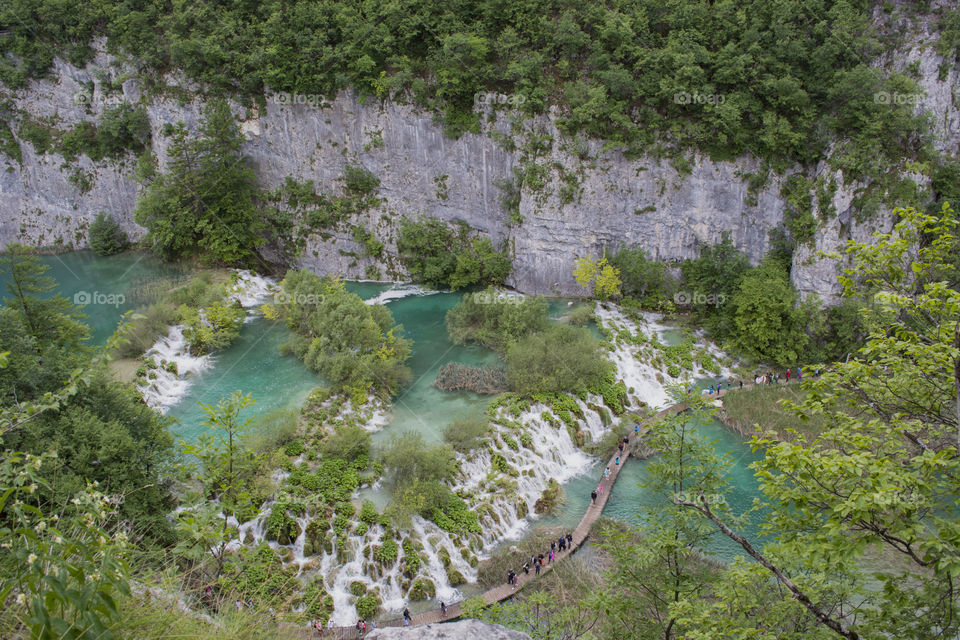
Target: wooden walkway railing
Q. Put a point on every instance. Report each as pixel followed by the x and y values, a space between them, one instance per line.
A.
pixel 580 534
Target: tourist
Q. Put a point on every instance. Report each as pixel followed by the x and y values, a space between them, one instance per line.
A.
pixel 593 497
pixel 551 556
pixel 636 428
pixel 799 374
pixel 526 568
pixel 600 488
pixel 741 384
pixel 319 627
pixel 620 447
pixel 359 629
pixel 618 461
pixel 443 607
pixel 788 375
pixel 406 617
pixel 510 575
pixel 553 545
pixel 562 543
pixel 536 568
pixel 570 540
pixel 239 605
pixel 606 472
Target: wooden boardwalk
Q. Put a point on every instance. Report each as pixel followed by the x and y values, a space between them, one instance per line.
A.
pixel 504 591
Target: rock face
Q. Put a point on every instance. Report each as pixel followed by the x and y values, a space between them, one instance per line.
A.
pixel 670 213
pixel 462 630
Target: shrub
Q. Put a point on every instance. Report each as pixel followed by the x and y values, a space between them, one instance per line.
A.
pixel 466 434
pixel 294 448
pixel 367 606
pixel 212 328
pixel 386 553
pixel 495 321
pixel 563 358
pixel 441 257
pixel 359 180
pixel 358 588
pixel 353 345
pixel 105 236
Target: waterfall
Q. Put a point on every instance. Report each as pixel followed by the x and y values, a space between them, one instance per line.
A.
pixel 399 291
pixel 168 386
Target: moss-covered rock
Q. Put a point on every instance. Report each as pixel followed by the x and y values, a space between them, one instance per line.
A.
pixel 455 578
pixel 368 605
pixel 550 498
pixel 358 588
pixel 422 589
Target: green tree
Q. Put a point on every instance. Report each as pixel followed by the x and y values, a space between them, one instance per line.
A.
pixel 50 320
pixel 105 235
pixel 205 203
pixel 495 320
pixel 715 274
pixel 660 562
pixel 768 325
pixel 355 346
pixel 643 279
pixel 882 475
pixel 599 275
pixel 562 358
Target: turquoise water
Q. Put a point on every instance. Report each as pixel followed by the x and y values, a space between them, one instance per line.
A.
pixel 627 499
pixel 253 364
pixel 110 283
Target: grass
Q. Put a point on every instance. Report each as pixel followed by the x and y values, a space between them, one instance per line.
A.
pixel 760 409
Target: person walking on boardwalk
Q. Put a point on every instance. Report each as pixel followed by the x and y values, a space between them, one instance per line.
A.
pixel 606 472
pixel 526 568
pixel 319 627
pixel 570 540
pixel 406 617
pixel 788 375
pixel 618 461
pixel 443 608
pixel 553 545
pixel 636 428
pixel 593 497
pixel 536 567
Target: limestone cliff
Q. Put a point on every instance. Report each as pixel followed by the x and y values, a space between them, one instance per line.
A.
pixel 609 200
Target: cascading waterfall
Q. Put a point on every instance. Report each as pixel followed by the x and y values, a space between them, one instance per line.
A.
pixel 169 384
pixel 400 291
pixel 505 503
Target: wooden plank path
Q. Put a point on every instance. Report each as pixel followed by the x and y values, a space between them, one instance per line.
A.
pixel 580 534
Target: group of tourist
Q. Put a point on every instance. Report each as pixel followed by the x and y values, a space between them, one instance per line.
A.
pixel 537 562
pixel 769 377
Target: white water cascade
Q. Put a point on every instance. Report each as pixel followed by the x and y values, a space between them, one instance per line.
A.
pixel 168 383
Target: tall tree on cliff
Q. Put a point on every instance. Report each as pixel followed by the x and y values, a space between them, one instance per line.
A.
pixel 205 203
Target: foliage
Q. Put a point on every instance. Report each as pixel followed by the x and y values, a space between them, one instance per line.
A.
pixel 408 458
pixel 602 277
pixel 359 180
pixel 767 324
pixel 121 129
pixel 105 235
pixel 715 275
pixel 204 205
pixel 562 358
pixel 62 573
pixel 642 279
pixel 441 257
pixel 367 606
pixel 351 344
pixel 466 434
pixel 494 320
pixel 212 328
pixel 880 476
